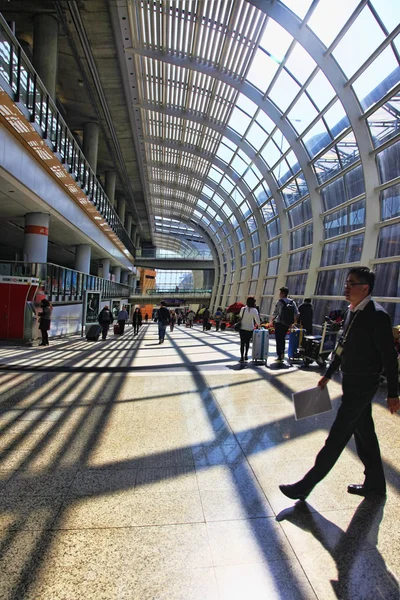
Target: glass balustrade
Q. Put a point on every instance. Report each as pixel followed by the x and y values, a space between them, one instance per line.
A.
pixel 60 284
pixel 19 79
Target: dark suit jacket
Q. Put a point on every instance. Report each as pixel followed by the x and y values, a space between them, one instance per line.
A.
pixel 369 348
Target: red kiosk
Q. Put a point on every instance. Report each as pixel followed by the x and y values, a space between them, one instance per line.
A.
pixel 17 312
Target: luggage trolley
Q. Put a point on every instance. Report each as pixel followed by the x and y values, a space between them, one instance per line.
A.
pixel 319 347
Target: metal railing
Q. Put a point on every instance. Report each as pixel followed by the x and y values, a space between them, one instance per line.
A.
pixel 170 255
pixel 61 284
pixel 171 292
pixel 24 86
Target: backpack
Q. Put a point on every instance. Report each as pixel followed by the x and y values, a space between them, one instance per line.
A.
pixel 287 313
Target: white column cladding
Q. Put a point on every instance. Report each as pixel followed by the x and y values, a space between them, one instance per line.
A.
pixel 117 274
pixel 45 50
pixel 124 277
pixel 91 143
pixel 83 254
pixel 36 237
pixel 104 268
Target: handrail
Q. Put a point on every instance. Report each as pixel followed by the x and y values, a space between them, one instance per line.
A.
pixel 27 89
pixel 61 284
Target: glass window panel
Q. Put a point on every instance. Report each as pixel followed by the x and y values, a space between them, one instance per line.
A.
pixel 250 179
pixel 242 247
pixel 276 40
pixel 348 150
pixel 389 241
pixel 273 267
pixel 239 121
pixel 317 138
pixel 354 181
pixel 251 224
pixel 227 184
pixel 252 287
pixel 267 212
pixel 255 240
pixel 239 234
pixel 284 90
pixel 273 228
pixel 354 247
pixel 215 174
pixel 207 191
pixel 388 11
pixel 282 172
pixel 345 220
pixel 333 194
pixel 321 90
pixel 335 13
pixel 384 123
pixel 270 153
pixel 331 282
pixel 281 141
pixel 387 281
pixel 302 113
pixel 390 203
pixel 334 253
pixel 239 165
pixel 300 213
pixel 246 105
pixel 300 63
pixel 326 166
pixel 245 209
pixel 225 153
pixel 274 248
pixel 389 162
pixel 336 119
pixel 256 255
pixel 299 7
pixel 256 136
pixel 290 194
pixel 322 308
pixel 269 286
pixel 260 195
pixel 255 271
pixel 265 122
pixel 262 70
pixel 368 34
pixel 377 79
pixel 301 237
pixel 300 260
pixel 296 284
pixel 243 260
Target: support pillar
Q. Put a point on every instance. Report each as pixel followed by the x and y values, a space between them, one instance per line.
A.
pixel 129 220
pixel 36 237
pixel 131 280
pixel 124 277
pixel 133 233
pixel 117 274
pixel 45 50
pixel 111 180
pixel 83 254
pixel 121 210
pixel 137 244
pixel 91 143
pixel 104 268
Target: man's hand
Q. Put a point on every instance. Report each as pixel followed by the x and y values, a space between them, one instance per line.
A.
pixel 393 405
pixel 322 382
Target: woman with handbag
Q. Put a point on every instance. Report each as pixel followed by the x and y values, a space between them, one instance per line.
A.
pixel 248 317
pixel 45 321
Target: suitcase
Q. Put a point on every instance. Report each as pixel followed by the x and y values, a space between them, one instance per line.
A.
pixel 93 333
pixel 116 328
pixel 208 326
pixel 223 326
pixel 295 339
pixel 260 345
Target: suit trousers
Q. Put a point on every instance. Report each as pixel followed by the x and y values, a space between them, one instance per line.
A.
pixel 354 417
pixel 280 337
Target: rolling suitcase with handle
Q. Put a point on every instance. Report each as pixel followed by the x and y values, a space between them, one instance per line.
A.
pixel 295 339
pixel 260 345
pixel 93 333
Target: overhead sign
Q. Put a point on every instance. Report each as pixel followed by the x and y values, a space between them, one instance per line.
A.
pixel 19 280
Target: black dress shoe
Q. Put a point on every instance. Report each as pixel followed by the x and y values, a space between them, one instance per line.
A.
pixel 294 492
pixel 360 490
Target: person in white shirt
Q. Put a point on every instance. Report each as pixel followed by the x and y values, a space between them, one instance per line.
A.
pixel 249 317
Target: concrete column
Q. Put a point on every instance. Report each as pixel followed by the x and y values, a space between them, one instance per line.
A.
pixel 104 268
pixel 111 179
pixel 83 254
pixel 133 233
pixel 117 274
pixel 131 280
pixel 91 143
pixel 36 237
pixel 45 50
pixel 129 220
pixel 124 277
pixel 137 243
pixel 121 209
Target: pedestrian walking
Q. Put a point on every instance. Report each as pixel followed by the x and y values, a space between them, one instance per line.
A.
pixel 136 320
pixel 365 348
pixel 283 317
pixel 249 317
pixel 122 318
pixel 172 320
pixel 163 320
pixel 305 317
pixel 217 318
pixel 45 321
pixel 105 319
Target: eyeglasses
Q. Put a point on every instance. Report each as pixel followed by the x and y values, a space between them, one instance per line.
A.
pixel 352 284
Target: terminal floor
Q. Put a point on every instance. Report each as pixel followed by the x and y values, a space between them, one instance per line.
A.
pixel 136 471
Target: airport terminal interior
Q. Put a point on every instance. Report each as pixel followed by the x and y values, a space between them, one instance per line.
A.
pixel 192 152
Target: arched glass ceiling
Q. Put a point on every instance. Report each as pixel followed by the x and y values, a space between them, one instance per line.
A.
pixel 274 125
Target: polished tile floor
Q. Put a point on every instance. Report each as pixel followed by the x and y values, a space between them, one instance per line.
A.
pixel 136 471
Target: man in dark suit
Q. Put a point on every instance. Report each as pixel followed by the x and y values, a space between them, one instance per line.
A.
pixel 366 347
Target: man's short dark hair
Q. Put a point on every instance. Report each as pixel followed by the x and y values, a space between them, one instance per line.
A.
pixel 308 300
pixel 162 303
pixel 364 275
pixel 284 289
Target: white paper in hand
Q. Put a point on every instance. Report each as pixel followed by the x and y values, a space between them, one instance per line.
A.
pixel 311 402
